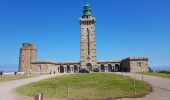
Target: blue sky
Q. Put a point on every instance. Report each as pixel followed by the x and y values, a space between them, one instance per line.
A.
pixel 124 28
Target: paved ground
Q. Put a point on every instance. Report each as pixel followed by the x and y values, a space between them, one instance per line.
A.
pixel 7 88
pixel 161 87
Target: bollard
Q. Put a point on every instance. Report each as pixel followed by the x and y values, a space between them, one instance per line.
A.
pixel 142 78
pixel 134 84
pixel 39 96
pixel 67 91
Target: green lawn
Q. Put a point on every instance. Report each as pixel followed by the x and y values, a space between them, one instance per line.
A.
pixel 86 87
pixel 156 74
pixel 14 77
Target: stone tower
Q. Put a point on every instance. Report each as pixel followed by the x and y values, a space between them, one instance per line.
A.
pixel 88 40
pixel 28 54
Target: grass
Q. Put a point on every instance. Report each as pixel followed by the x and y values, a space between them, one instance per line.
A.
pixel 94 86
pixel 14 77
pixel 156 74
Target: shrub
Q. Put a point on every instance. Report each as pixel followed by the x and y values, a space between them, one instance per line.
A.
pixel 165 71
pixel 150 69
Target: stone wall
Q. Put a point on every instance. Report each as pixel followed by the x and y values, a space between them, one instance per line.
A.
pixel 135 64
pixel 88 42
pixel 52 67
pixel 44 68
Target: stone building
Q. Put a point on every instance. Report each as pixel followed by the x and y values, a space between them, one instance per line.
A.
pixel 88 59
pixel 135 64
pixel 28 54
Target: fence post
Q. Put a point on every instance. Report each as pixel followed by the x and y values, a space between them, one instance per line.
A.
pixel 67 91
pixel 134 84
pixel 142 77
pixel 39 96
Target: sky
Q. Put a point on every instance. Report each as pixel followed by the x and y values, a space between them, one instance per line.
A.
pixel 124 28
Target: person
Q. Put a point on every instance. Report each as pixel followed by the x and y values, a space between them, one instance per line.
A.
pixel 26 74
pixel 15 73
pixel 50 72
pixel 1 73
pixel 30 71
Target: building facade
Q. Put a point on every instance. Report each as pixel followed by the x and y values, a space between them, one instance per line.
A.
pixel 88 59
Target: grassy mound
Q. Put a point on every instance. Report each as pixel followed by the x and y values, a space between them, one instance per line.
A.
pixel 85 86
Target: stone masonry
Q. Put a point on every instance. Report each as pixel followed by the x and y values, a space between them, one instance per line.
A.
pixel 28 54
pixel 88 40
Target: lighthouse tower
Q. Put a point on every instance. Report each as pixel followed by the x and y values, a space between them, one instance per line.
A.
pixel 88 40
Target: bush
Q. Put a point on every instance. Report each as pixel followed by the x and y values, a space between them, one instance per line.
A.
pixel 168 72
pixel 150 69
pixel 164 71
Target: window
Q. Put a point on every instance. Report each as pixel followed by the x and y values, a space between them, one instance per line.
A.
pixel 88 40
pixel 39 67
pixel 139 64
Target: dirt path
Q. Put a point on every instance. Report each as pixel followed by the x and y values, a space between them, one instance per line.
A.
pixel 7 88
pixel 161 87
